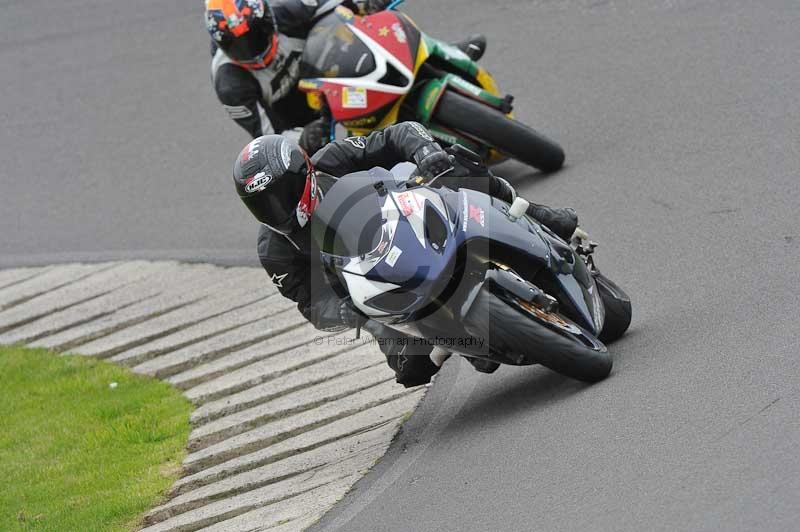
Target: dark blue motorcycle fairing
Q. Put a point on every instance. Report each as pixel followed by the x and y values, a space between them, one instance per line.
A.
pixel 576 282
pixel 477 231
pixel 536 243
pixel 478 216
pixel 418 267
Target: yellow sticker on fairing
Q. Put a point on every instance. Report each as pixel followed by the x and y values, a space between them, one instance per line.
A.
pixel 354 98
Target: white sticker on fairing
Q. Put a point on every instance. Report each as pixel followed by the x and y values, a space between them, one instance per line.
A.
pixel 394 254
pixel 354 98
pixel 399 33
pixel 409 203
pixel 465 213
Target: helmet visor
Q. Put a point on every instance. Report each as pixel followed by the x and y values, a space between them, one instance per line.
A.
pixel 276 205
pixel 252 45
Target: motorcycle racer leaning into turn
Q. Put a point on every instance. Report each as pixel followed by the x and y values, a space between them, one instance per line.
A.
pixel 281 185
pixel 257 46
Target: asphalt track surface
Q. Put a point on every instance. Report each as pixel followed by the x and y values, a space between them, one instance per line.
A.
pixel 681 123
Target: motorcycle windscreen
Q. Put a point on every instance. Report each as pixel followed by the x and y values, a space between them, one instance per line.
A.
pixel 333 51
pixel 348 222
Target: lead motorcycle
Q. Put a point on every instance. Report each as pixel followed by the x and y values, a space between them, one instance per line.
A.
pixel 470 273
pixel 370 72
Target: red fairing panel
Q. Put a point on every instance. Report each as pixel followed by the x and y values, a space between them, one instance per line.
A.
pixel 387 30
pixel 348 102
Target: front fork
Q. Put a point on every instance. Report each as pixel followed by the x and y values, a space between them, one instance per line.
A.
pixel 504 279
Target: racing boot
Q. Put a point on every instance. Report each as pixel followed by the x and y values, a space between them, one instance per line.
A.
pixel 482 365
pixel 474 46
pixel 562 222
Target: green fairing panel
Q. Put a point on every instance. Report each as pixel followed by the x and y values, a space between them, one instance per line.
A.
pixel 429 97
pixel 451 54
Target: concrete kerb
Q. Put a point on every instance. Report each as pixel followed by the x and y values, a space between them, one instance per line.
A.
pixel 288 418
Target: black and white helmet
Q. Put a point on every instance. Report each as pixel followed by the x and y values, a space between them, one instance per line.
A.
pixel 276 181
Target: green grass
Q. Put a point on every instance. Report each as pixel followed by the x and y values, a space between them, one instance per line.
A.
pixel 76 454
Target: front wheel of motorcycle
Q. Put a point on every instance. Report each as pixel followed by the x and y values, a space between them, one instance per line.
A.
pixel 518 330
pixel 487 124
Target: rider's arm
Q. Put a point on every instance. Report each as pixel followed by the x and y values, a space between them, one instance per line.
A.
pixel 296 17
pixel 395 144
pixel 366 7
pixel 240 94
pixel 291 273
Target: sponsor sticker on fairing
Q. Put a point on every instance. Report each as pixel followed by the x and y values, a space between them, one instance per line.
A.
pixel 394 254
pixel 399 33
pixel 409 203
pixel 354 98
pixel 344 13
pixel 361 122
pixel 476 214
pixel 465 213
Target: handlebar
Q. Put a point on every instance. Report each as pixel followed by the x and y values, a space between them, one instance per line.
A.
pixel 460 151
pixel 456 152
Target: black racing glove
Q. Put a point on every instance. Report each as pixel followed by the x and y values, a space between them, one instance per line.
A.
pixel 349 316
pixel 367 7
pixel 467 163
pixel 315 135
pixel 432 160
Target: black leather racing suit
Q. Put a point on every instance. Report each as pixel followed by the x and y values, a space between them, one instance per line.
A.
pixel 267 101
pixel 297 272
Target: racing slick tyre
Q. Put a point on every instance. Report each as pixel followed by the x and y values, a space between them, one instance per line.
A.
pixel 515 139
pixel 561 345
pixel 618 308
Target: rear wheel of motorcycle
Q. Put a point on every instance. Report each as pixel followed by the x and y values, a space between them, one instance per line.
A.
pixel 513 332
pixel 618 308
pixel 515 139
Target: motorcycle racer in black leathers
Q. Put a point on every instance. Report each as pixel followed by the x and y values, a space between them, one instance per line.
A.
pixel 257 46
pixel 280 185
